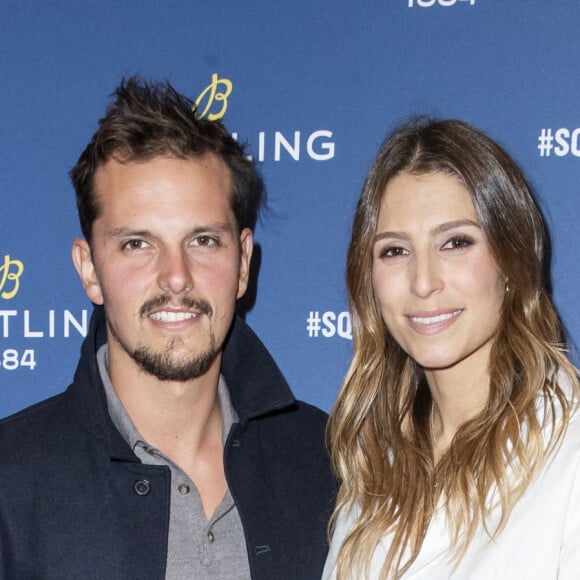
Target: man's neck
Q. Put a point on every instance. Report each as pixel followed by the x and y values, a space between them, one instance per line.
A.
pixel 183 420
pixel 174 416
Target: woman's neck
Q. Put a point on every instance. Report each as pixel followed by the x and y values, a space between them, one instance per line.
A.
pixel 459 393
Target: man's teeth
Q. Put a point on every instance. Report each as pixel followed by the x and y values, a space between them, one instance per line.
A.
pixel 435 319
pixel 165 316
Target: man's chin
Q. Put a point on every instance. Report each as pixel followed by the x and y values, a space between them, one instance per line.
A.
pixel 166 368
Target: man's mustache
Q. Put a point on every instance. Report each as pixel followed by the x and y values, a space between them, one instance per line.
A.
pixel 186 302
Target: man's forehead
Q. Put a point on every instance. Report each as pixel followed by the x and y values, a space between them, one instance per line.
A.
pixel 119 161
pixel 207 174
pixel 165 190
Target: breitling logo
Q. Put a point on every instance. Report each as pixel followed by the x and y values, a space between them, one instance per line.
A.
pixel 10 272
pixel 213 96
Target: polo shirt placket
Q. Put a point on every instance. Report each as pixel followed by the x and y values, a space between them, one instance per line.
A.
pixel 197 547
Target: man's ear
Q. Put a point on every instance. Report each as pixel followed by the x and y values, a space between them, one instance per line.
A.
pixel 246 247
pixel 83 261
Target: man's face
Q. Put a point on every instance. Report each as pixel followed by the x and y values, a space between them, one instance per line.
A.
pixel 167 262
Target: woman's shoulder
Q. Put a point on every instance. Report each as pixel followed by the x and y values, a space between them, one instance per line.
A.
pixel 345 520
pixel 553 404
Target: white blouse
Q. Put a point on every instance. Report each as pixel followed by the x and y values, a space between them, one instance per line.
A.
pixel 541 540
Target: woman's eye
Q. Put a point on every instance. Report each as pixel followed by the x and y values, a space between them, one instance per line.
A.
pixel 393 252
pixel 457 242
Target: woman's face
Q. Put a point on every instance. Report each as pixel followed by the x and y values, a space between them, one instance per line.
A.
pixel 436 282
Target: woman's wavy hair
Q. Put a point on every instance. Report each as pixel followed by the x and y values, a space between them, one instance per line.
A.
pixel 379 427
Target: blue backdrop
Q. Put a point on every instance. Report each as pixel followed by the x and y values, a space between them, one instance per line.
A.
pixel 312 87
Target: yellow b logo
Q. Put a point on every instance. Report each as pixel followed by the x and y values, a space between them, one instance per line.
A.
pixel 211 94
pixel 7 275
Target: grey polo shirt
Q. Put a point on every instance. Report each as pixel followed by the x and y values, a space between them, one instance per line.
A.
pixel 197 547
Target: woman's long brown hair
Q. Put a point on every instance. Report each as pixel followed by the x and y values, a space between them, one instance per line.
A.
pixel 378 430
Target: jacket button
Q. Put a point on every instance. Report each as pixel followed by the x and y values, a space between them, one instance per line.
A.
pixel 142 487
pixel 183 488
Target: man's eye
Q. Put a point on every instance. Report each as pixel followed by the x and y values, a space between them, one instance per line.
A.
pixel 205 241
pixel 134 245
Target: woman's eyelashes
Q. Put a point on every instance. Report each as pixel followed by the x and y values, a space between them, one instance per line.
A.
pixel 458 242
pixel 394 250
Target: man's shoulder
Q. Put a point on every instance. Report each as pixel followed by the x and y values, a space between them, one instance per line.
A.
pixel 37 412
pixel 297 430
pixel 300 414
pixel 40 426
pixel 309 414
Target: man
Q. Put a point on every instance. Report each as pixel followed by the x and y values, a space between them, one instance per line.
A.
pixel 178 451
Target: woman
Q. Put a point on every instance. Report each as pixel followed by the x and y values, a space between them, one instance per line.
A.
pixel 455 433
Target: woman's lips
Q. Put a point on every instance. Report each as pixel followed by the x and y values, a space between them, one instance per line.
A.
pixel 434 321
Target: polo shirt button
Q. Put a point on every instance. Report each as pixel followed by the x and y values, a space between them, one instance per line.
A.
pixel 142 487
pixel 183 488
pixel 210 537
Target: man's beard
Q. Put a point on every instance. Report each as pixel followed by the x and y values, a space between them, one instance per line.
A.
pixel 162 365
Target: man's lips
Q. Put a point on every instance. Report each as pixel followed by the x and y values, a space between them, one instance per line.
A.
pixel 162 309
pixel 172 316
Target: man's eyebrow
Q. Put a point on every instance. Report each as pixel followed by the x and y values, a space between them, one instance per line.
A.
pixel 216 228
pixel 125 232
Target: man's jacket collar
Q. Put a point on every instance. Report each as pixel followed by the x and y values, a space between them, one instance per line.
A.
pixel 256 384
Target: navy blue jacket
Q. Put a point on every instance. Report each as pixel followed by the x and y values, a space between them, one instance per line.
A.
pixel 77 504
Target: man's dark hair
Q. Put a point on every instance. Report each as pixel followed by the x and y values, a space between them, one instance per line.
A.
pixel 148 120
